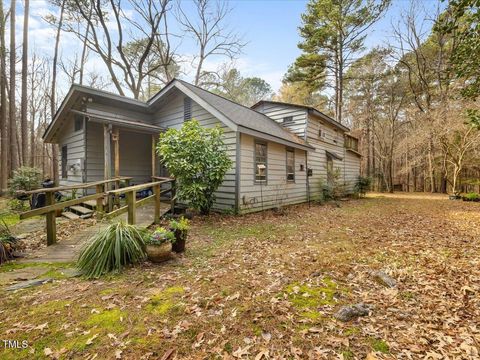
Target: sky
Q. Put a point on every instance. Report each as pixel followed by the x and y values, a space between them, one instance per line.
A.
pixel 269 27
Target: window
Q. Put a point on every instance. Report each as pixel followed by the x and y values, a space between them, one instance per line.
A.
pixel 322 134
pixel 290 165
pixel 64 162
pixel 351 143
pixel 287 119
pixel 187 109
pixel 260 162
pixel 78 123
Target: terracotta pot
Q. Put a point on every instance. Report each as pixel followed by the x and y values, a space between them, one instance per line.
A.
pixel 158 253
pixel 180 238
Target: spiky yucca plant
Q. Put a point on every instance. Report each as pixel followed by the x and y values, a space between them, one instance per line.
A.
pixel 111 249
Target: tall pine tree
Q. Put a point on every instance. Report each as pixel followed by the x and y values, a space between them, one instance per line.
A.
pixel 333 32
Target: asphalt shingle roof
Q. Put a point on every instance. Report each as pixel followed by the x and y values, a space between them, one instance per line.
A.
pixel 244 116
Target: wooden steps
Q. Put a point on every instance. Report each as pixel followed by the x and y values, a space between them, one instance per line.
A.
pixel 92 204
pixel 81 210
pixel 70 215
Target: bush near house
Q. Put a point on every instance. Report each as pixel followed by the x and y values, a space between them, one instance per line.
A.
pixel 197 157
pixel 362 185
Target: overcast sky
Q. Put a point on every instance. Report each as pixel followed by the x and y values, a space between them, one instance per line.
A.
pixel 270 28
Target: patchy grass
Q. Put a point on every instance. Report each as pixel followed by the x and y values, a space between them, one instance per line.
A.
pixel 271 283
pixel 13 265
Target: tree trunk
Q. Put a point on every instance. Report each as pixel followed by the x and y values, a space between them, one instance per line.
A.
pixel 52 96
pixel 14 160
pixel 3 106
pixel 24 101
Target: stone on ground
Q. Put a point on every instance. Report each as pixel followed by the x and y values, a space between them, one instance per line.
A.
pixel 384 279
pixel 351 312
pixel 28 283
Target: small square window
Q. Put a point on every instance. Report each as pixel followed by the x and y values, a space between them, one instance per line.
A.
pixel 287 119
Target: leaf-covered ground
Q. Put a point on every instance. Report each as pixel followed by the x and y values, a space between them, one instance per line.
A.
pixel 266 286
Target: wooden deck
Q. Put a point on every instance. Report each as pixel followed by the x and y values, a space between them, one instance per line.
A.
pixel 68 250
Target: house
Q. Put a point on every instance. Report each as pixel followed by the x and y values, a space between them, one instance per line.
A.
pixel 272 145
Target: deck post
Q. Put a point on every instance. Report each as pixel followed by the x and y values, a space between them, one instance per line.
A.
pixel 156 191
pixel 107 149
pixel 51 222
pixel 99 189
pixel 131 218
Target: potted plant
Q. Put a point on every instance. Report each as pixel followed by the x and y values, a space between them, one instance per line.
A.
pixel 158 245
pixel 180 229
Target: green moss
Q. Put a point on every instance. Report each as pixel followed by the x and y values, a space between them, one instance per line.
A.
pixel 348 354
pixel 257 330
pixel 407 295
pixel 166 301
pixel 49 308
pixel 380 346
pixel 11 266
pixel 9 218
pixel 352 331
pixel 108 320
pixel 228 347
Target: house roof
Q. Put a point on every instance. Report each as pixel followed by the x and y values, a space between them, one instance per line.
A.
pixel 238 117
pixel 310 109
pixel 245 117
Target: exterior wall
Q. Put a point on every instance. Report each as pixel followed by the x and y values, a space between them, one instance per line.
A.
pixel 277 191
pixel 317 160
pixel 278 111
pixel 94 163
pixel 75 142
pixel 171 116
pixel 352 169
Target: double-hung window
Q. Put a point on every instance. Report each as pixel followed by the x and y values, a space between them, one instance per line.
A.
pixel 260 162
pixel 290 165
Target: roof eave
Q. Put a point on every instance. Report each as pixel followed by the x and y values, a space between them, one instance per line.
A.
pixel 276 139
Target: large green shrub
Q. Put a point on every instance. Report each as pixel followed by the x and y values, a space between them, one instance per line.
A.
pixel 197 157
pixel 25 178
pixel 112 249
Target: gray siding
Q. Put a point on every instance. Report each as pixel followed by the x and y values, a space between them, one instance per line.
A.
pixel 75 142
pixel 171 116
pixel 277 191
pixel 332 141
pixel 278 111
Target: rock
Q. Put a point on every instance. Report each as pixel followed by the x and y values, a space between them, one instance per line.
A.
pixel 384 279
pixel 28 283
pixel 348 313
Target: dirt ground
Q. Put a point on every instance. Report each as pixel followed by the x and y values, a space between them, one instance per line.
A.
pixel 267 286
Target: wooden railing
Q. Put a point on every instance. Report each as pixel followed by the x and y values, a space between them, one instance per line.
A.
pixel 51 207
pixel 132 203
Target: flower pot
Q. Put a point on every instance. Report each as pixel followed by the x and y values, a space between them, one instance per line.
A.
pixel 158 253
pixel 180 238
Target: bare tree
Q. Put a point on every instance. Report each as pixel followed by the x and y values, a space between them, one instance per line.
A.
pixel 211 33
pixel 24 100
pixel 14 158
pixel 3 105
pixel 124 67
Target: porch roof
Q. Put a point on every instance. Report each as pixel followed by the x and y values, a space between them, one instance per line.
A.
pixel 123 122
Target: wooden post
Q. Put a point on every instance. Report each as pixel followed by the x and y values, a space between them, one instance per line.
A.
pixel 174 194
pixel 156 191
pixel 51 224
pixel 154 157
pixel 131 218
pixel 116 143
pixel 99 190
